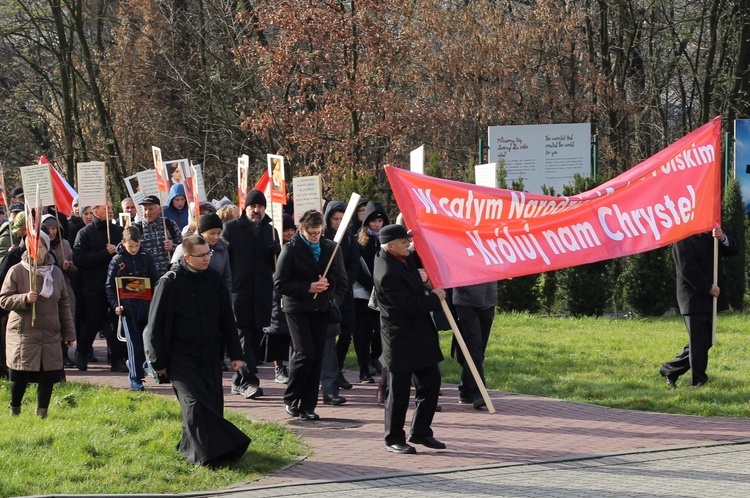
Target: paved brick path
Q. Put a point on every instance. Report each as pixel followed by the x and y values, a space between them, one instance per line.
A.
pixel 524 429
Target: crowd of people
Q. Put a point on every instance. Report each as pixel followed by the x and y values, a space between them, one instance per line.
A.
pixel 227 285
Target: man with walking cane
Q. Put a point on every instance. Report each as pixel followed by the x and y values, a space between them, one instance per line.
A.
pixel 411 348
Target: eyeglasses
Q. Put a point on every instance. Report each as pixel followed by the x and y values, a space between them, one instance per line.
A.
pixel 204 255
pixel 313 234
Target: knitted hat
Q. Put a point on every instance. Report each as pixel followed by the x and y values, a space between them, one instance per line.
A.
pixel 288 222
pixel 255 197
pixel 209 221
pixel 49 220
pixel 19 222
pixel 44 239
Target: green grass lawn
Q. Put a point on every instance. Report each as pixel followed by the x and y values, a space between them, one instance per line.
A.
pixel 105 440
pixel 614 362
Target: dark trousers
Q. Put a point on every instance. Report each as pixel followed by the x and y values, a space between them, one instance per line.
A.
pixel 695 355
pixel 308 332
pixel 475 325
pixel 367 329
pixel 247 375
pixel 343 342
pixel 427 385
pixel 329 374
pixel 98 317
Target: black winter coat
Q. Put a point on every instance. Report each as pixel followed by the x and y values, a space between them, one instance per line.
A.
pixel 694 266
pixel 252 260
pixel 90 254
pixel 410 340
pixel 297 269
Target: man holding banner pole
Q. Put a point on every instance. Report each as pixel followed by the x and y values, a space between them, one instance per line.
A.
pixel 697 290
pixel 407 327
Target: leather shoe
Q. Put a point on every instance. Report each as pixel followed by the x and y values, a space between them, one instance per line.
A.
pixel 402 449
pixel 81 362
pixel 698 384
pixel 428 441
pixel 334 399
pixel 292 410
pixel 671 381
pixel 343 383
pixel 308 415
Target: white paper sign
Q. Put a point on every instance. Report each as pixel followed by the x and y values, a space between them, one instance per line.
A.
pixel 276 213
pixel 92 183
pixel 38 174
pixel 198 172
pixel 147 183
pixel 416 160
pixel 308 194
pixel 486 175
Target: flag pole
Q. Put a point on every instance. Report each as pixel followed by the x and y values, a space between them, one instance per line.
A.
pixel 716 298
pixel 348 213
pixel 467 357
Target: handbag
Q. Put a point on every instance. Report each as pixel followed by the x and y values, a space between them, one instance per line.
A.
pixel 358 290
pixel 334 312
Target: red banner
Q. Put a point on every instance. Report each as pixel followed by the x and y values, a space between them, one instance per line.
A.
pixel 466 234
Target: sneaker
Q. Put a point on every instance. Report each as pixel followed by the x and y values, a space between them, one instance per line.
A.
pixel 282 375
pixel 238 390
pixel 252 392
pixel 136 385
pixel 343 383
pixel 366 379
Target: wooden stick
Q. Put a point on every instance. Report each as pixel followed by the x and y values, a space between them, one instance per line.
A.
pixel 467 357
pixel 716 298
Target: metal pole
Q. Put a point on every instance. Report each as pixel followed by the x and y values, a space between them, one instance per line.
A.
pixel 727 144
pixel 595 157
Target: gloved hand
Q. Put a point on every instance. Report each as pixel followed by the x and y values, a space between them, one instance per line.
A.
pixel 275 248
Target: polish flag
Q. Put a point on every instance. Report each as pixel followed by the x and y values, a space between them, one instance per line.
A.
pixel 64 193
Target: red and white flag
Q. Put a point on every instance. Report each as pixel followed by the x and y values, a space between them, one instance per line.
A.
pixel 64 193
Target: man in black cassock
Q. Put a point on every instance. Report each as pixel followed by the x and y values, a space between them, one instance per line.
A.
pixel 190 324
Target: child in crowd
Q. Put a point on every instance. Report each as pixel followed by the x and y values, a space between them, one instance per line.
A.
pixel 132 261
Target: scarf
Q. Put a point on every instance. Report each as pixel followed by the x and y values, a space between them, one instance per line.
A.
pixel 46 273
pixel 315 248
pixel 372 232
